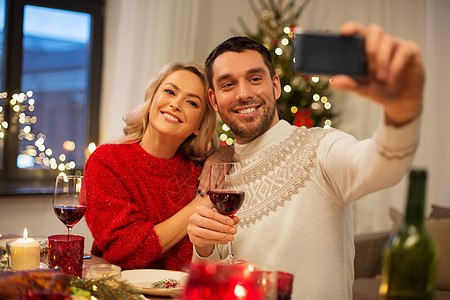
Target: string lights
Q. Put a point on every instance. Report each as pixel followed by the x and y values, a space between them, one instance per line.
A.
pixel 3 123
pixel 34 149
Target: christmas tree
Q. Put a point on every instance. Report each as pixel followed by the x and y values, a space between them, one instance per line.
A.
pixel 305 99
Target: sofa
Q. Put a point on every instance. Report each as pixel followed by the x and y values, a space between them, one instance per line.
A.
pixel 369 251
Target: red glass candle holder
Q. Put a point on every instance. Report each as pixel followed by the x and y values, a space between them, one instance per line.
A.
pixel 66 251
pixel 284 285
pixel 208 280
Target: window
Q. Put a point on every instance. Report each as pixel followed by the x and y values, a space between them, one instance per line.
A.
pixel 2 72
pixel 49 96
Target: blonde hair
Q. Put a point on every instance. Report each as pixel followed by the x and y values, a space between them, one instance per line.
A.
pixel 195 147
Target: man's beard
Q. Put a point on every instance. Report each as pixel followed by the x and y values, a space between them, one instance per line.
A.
pixel 247 129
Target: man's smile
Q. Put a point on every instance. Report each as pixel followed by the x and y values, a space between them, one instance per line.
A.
pixel 247 111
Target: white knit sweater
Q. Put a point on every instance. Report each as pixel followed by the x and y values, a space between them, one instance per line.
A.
pixel 297 214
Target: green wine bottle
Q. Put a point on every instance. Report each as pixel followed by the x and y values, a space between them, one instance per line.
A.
pixel 410 259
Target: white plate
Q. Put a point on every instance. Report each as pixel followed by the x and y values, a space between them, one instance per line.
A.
pixel 143 280
pixel 42 241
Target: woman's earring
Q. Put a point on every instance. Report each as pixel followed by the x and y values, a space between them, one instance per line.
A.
pixel 196 132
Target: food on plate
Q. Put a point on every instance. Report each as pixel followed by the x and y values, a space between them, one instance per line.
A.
pixel 13 284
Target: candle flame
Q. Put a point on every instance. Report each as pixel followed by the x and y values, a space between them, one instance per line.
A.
pixel 25 233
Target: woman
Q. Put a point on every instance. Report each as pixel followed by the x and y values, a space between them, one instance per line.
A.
pixel 142 190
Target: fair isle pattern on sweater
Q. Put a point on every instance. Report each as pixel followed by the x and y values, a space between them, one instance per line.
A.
pixel 270 187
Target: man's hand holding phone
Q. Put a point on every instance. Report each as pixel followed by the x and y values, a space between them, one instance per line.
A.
pixel 329 54
pixel 395 74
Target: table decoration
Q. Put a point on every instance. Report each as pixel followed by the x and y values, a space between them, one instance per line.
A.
pixel 215 280
pixel 66 251
pixel 156 282
pixel 98 271
pixel 24 253
pixel 284 285
pixel 52 284
pixel 17 283
pixel 106 288
pixel 166 284
pixel 5 246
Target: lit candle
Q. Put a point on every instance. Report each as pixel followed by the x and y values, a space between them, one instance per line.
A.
pixel 25 253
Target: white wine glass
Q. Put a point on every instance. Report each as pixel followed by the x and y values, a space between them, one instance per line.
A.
pixel 226 191
pixel 69 199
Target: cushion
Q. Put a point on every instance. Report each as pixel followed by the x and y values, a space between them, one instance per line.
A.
pixel 369 245
pixel 439 212
pixel 439 229
pixel 366 289
pixel 397 218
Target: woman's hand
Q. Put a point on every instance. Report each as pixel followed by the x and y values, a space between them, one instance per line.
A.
pixel 223 154
pixel 202 200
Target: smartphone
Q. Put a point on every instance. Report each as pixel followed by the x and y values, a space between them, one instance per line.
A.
pixel 329 54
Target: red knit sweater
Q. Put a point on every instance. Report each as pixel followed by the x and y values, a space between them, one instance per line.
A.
pixel 128 192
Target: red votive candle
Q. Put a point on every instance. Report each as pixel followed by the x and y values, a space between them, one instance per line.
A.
pixel 66 251
pixel 284 285
pixel 208 280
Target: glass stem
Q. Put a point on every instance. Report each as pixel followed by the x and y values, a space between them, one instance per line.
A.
pixel 231 256
pixel 230 251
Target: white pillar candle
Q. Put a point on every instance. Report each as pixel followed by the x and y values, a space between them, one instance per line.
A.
pixel 25 253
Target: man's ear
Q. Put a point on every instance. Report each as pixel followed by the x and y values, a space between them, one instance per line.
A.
pixel 276 87
pixel 212 99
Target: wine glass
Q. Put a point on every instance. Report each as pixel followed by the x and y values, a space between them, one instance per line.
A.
pixel 226 192
pixel 69 199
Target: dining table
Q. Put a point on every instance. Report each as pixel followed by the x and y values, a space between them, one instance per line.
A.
pixel 90 260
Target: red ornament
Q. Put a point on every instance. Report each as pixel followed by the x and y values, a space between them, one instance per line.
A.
pixel 302 118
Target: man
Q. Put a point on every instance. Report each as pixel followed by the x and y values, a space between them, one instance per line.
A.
pixel 300 183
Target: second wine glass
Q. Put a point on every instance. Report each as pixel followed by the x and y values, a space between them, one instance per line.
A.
pixel 69 199
pixel 226 191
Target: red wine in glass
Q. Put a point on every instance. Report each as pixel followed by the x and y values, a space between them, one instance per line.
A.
pixel 227 202
pixel 69 199
pixel 226 192
pixel 69 215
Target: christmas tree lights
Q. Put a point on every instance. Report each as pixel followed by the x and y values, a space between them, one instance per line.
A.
pixel 305 99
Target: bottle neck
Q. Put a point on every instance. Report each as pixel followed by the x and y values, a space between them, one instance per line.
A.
pixel 416 199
